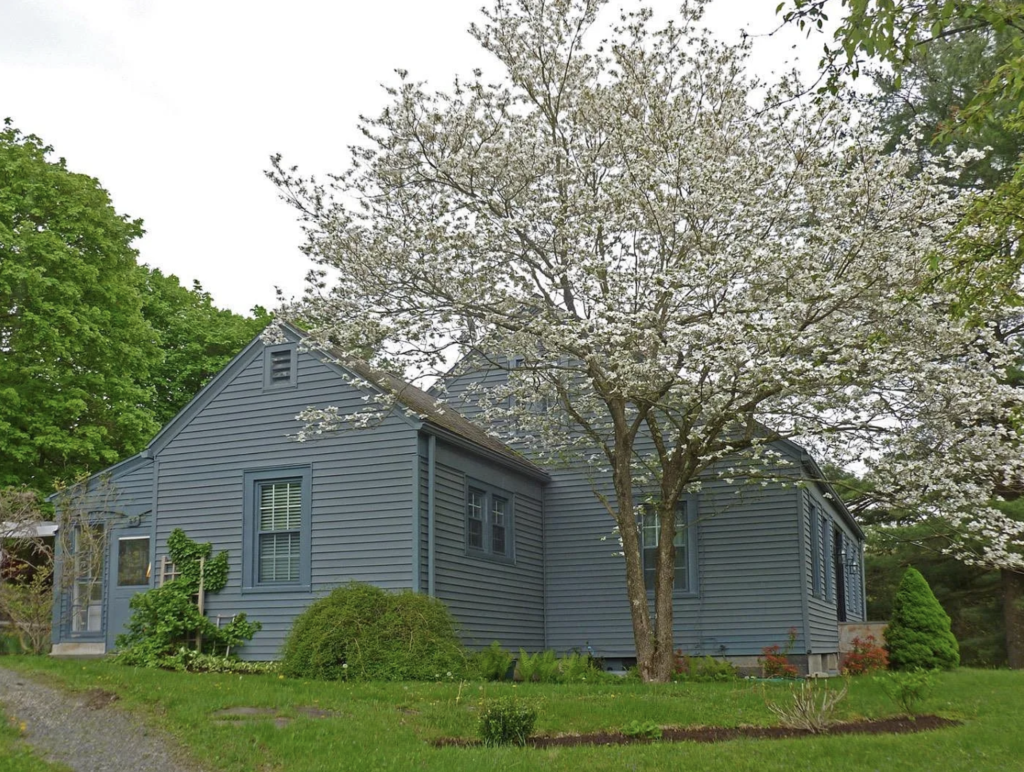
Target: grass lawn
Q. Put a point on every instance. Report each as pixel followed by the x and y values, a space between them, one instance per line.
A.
pixel 388 726
pixel 15 754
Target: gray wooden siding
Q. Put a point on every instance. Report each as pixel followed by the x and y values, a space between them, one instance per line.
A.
pixel 750 566
pixel 747 594
pixel 492 600
pixel 822 611
pixel 362 500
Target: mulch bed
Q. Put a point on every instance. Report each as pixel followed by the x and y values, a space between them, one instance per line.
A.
pixel 715 734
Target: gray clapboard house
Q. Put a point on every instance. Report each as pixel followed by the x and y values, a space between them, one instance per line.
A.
pixel 427 500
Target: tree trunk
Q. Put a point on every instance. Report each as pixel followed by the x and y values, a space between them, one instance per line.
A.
pixel 664 582
pixel 636 591
pixel 1013 616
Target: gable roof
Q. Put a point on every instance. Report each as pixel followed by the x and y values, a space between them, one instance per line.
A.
pixel 440 416
pixel 445 419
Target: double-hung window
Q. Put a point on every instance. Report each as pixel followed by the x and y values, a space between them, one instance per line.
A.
pixel 279 525
pixel 488 521
pixel 684 541
pixel 277 520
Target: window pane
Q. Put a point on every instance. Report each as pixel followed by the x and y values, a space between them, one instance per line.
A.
pixel 279 557
pixel 280 506
pixel 498 539
pixel 476 534
pixel 499 510
pixel 475 519
pixel 475 507
pixel 133 562
pixel 87 602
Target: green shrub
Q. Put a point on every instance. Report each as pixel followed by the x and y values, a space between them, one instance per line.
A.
pixel 506 722
pixel 648 730
pixel 703 669
pixel 547 668
pixel 576 668
pixel 493 663
pixel 194 661
pixel 364 633
pixel 541 667
pixel 918 635
pixel 907 688
pixel 166 619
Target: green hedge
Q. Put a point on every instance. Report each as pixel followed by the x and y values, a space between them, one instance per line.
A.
pixel 364 633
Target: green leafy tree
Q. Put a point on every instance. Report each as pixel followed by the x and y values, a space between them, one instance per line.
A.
pixel 991 250
pixel 74 346
pixel 927 90
pixel 195 337
pixel 918 635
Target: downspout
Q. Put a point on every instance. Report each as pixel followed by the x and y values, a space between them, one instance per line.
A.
pixel 431 476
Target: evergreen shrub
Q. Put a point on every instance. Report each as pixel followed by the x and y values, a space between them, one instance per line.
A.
pixel 364 633
pixel 919 635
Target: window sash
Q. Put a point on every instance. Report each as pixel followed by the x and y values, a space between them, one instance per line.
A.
pixel 499 520
pixel 280 553
pixel 280 506
pixel 279 531
pixel 475 518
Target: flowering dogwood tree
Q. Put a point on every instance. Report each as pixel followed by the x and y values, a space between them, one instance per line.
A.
pixel 689 265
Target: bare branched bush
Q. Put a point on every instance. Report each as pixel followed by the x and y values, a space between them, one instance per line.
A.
pixel 811 707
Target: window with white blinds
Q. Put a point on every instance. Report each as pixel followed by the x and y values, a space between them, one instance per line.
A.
pixel 279 523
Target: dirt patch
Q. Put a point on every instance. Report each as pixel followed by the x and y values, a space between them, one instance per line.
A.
pixel 310 711
pixel 714 734
pixel 230 716
pixel 97 699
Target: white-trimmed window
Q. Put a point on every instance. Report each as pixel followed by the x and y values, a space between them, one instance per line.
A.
pixel 489 521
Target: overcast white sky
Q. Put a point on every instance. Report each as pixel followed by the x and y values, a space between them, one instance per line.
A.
pixel 176 105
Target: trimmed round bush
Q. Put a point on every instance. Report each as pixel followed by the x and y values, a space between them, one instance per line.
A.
pixel 364 633
pixel 919 635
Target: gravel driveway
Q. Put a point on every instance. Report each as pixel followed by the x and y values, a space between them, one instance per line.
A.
pixel 87 731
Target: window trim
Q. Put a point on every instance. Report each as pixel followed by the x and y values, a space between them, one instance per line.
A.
pixel 252 482
pixel 814 517
pixel 490 493
pixel 690 505
pixel 828 591
pixel 269 384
